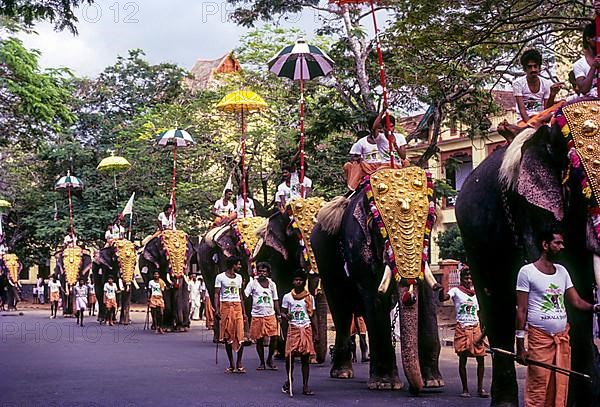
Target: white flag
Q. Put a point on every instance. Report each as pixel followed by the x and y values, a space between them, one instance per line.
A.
pixel 129 207
pixel 229 185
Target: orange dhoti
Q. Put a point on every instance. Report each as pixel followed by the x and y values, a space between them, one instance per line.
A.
pixel 210 315
pixel 358 326
pixel 156 302
pixel 54 296
pixel 263 326
pixel 356 170
pixel 232 324
pixel 110 303
pixel 465 338
pixel 544 388
pixel 299 341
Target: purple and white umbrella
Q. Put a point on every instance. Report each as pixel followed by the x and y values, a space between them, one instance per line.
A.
pixel 301 62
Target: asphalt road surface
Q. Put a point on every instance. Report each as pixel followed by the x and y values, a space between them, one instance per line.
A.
pixel 47 362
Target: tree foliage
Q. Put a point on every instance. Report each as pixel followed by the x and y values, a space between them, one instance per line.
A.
pixel 451 244
pixel 59 12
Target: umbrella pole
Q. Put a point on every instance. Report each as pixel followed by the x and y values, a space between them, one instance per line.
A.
pixel 301 175
pixel 70 212
pixel 173 184
pixel 388 124
pixel 116 192
pixel 244 192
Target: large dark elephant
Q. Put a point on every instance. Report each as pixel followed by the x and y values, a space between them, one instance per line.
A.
pixel 82 265
pixel 10 268
pixel 154 258
pixel 116 260
pixel 349 253
pixel 504 204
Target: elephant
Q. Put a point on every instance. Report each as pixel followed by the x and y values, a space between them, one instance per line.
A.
pixel 176 295
pixel 116 260
pixel 349 253
pixel 10 268
pixel 504 205
pixel 80 270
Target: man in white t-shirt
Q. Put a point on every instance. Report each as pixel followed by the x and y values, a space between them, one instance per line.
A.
pixel 533 93
pixel 295 182
pixel 468 335
pixel 229 304
pixel 585 75
pixel 298 307
pixel 81 300
pixel 54 288
pixel 110 300
pixel 166 219
pixel 542 288
pixel 239 207
pixel 265 312
pixel 223 210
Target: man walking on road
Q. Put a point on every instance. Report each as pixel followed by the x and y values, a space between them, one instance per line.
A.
pixel 54 288
pixel 542 287
pixel 81 298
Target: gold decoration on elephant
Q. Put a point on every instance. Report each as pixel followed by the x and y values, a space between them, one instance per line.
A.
pixel 125 251
pixel 11 261
pixel 305 214
pixel 584 123
pixel 175 244
pixel 404 206
pixel 72 258
pixel 247 228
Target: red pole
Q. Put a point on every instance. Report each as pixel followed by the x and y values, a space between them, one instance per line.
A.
pixel 244 192
pixel 597 8
pixel 173 182
pixel 301 175
pixel 388 124
pixel 70 212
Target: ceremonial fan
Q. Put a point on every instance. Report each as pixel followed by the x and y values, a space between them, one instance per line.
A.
pixel 69 182
pixel 242 101
pixel 301 62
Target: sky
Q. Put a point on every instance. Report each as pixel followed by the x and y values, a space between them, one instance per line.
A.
pixel 178 31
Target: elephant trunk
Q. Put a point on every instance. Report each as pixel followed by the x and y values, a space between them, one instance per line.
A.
pixel 409 334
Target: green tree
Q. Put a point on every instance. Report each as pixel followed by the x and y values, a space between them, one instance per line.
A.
pixel 59 12
pixel 451 245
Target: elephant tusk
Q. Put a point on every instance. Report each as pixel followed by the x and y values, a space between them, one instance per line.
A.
pixel 120 284
pixel 596 261
pixel 429 278
pixel 385 280
pixel 169 279
pixel 258 247
pixel 136 285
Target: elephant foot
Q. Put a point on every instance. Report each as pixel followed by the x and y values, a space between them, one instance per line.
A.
pixel 384 383
pixel 341 373
pixel 434 383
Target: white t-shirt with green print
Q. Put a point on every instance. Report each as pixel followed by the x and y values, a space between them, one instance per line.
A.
pixel 229 288
pixel 546 302
pixel 466 307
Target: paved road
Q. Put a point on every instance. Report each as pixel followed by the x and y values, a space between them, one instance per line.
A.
pixel 47 362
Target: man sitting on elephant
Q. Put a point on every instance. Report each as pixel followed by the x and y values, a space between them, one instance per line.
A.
pixel 166 219
pixel 542 287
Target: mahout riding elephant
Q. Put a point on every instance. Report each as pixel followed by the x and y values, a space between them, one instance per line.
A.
pixel 544 177
pixel 350 251
pixel 117 260
pixel 10 268
pixel 283 246
pixel 170 253
pixel 72 263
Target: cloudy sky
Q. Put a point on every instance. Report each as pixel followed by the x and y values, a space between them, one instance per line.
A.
pixel 179 31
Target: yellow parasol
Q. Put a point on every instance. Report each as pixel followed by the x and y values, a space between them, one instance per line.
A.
pixel 4 204
pixel 114 165
pixel 242 101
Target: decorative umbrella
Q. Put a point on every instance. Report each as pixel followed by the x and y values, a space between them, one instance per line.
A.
pixel 4 204
pixel 114 165
pixel 301 62
pixel 69 182
pixel 388 124
pixel 175 138
pixel 242 101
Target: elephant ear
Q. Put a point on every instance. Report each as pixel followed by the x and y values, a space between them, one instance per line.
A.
pixel 275 236
pixel 361 215
pixel 539 180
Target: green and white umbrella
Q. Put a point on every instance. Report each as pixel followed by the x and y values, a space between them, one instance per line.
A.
pixel 69 182
pixel 175 138
pixel 301 62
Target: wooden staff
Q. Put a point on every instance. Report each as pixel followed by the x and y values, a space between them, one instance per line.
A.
pixel 554 368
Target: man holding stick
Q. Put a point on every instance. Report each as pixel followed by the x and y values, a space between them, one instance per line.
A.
pixel 542 287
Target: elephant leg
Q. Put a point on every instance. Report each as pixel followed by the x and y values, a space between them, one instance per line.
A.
pixel 429 340
pixel 383 371
pixel 168 314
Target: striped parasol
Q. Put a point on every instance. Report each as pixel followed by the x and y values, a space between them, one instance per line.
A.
pixel 301 62
pixel 242 101
pixel 175 138
pixel 69 182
